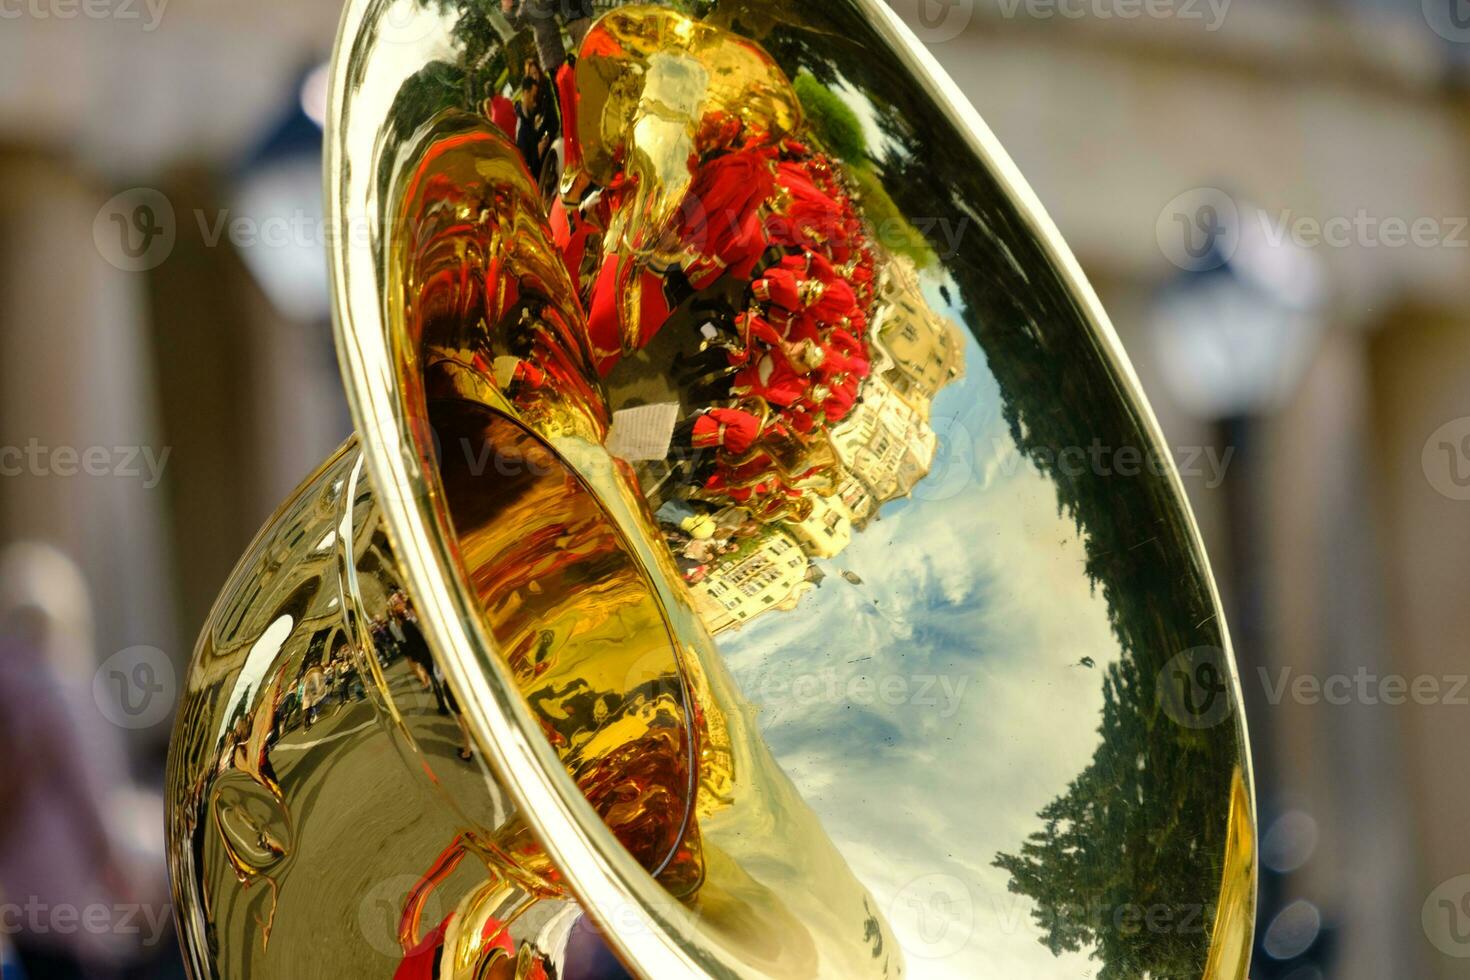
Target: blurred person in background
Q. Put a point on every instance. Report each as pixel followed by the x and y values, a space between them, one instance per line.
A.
pixel 9 965
pixel 545 102
pixel 536 124
pixel 67 848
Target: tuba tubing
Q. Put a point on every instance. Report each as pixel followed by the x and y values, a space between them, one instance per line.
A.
pixel 710 588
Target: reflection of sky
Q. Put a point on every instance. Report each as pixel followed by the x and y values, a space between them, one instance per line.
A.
pixel 976 581
pixel 880 144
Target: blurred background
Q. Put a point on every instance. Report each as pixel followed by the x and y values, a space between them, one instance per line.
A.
pixel 1271 197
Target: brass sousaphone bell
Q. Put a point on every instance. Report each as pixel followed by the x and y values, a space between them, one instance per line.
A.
pixel 754 558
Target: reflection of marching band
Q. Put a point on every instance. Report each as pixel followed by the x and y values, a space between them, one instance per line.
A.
pixel 883 448
pixel 770 218
pixel 706 228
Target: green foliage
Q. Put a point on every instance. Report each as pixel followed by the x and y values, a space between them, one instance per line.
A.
pixel 437 86
pixel 840 133
pixel 892 230
pixel 836 123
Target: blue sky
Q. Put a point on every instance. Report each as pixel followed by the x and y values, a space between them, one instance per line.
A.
pixel 982 616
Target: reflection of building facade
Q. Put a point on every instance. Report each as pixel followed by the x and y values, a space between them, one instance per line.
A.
pixel 827 531
pixel 768 572
pixel 886 445
pixel 924 352
pixel 854 496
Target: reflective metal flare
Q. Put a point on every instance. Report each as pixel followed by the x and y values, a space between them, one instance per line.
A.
pixel 755 557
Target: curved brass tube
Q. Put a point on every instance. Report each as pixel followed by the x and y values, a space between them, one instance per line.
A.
pixel 520 684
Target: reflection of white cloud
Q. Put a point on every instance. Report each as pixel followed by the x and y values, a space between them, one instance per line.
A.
pixel 1005 461
pixel 981 589
pixel 880 144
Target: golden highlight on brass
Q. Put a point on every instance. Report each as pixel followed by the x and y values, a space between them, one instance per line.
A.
pixel 711 587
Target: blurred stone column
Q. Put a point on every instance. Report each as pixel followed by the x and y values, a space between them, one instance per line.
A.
pixel 251 401
pixel 1342 762
pixel 76 394
pixel 1421 461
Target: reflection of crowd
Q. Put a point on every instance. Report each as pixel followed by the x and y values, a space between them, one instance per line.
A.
pixel 527 112
pixel 766 253
pixel 331 680
pixel 699 539
pixel 396 634
pixel 760 261
pixel 537 122
pixel 329 685
pixel 775 216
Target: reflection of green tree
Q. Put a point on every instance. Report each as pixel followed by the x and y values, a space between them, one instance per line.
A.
pixel 894 231
pixel 480 33
pixel 840 132
pixel 833 119
pixel 437 86
pixel 480 70
pixel 483 62
pixel 1144 825
pixel 1120 863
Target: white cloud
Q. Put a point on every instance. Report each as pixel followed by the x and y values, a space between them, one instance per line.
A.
pixel 985 591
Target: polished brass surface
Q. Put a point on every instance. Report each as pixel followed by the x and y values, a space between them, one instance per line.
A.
pixel 887 662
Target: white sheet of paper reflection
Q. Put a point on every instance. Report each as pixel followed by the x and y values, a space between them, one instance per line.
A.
pixel 643 433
